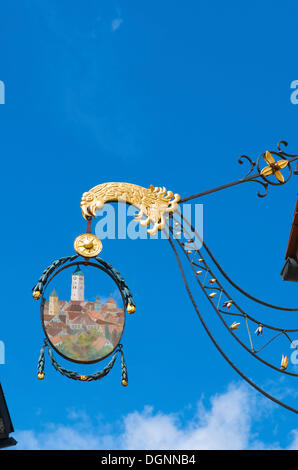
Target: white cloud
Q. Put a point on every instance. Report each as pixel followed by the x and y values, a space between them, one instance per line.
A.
pixel 116 23
pixel 294 443
pixel 226 424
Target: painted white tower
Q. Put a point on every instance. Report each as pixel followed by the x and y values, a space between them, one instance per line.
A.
pixel 77 285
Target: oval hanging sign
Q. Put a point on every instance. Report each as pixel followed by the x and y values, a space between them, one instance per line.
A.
pixel 80 328
pixel 82 322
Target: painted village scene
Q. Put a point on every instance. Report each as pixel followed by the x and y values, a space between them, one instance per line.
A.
pixel 81 330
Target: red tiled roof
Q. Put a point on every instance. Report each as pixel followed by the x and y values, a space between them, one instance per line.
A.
pixel 58 325
pixel 93 314
pixel 53 331
pixel 103 322
pixel 47 317
pixel 83 318
pixel 74 307
pixel 73 315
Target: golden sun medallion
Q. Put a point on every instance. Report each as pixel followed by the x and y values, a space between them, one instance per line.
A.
pixel 88 245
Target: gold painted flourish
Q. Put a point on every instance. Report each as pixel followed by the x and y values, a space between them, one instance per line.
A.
pixel 152 203
pixel 274 167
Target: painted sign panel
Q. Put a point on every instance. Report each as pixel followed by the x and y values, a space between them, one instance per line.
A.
pixel 82 330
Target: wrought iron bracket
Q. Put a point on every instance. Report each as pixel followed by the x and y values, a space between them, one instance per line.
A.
pixel 266 176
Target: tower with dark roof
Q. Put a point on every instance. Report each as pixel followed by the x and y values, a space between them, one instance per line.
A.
pixel 53 304
pixel 77 285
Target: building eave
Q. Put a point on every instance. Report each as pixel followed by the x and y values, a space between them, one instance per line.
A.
pixel 292 248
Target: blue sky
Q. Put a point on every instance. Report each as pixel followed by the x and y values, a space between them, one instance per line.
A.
pixel 151 93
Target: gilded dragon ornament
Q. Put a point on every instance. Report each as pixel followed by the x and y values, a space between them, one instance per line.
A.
pixel 153 202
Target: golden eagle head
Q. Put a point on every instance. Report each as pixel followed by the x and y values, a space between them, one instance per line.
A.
pixel 89 205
